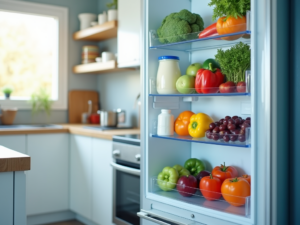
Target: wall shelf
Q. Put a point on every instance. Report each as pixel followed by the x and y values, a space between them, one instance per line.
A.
pixel 98 33
pixel 99 67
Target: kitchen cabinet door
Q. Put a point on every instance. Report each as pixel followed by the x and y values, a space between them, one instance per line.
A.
pixel 48 180
pixel 102 182
pixel 129 28
pixel 14 142
pixel 81 175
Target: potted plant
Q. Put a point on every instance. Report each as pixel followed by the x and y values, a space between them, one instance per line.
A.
pixel 41 101
pixel 112 13
pixel 7 91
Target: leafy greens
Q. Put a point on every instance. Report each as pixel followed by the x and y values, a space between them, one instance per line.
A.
pixel 234 61
pixel 235 8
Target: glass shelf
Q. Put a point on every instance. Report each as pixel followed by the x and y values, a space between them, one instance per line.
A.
pixel 203 140
pixel 200 95
pixel 199 44
pixel 191 42
pixel 198 199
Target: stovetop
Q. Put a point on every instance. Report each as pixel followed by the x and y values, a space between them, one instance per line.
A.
pixel 133 139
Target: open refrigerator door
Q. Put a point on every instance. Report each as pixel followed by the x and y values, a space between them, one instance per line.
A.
pixel 247 150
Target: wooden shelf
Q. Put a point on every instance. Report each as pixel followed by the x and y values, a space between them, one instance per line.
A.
pixel 98 33
pixel 99 67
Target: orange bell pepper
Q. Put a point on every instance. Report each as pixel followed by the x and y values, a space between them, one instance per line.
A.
pixel 182 123
pixel 231 25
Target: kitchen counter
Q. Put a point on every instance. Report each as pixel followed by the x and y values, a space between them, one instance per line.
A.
pixel 13 161
pixel 73 129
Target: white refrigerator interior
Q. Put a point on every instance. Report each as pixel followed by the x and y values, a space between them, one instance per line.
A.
pixel 160 207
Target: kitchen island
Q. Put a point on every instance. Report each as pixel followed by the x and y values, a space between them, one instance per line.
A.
pixel 13 186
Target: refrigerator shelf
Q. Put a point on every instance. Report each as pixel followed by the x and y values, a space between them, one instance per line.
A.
pixel 198 199
pixel 191 42
pixel 203 140
pixel 201 95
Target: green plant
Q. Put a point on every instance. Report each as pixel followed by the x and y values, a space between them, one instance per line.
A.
pixel 7 90
pixel 40 101
pixel 112 5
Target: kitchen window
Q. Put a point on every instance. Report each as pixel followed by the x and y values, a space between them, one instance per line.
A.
pixel 33 56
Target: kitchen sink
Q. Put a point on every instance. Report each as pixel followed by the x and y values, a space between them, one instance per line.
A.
pixel 30 126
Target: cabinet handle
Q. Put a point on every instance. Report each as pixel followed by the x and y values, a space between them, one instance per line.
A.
pixel 125 169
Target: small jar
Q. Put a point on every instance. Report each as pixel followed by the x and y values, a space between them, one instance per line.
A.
pixel 167 74
pixel 165 125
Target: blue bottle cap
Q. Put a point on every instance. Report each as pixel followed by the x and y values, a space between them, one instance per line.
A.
pixel 168 57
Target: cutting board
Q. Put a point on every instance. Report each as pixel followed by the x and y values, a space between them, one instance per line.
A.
pixel 78 104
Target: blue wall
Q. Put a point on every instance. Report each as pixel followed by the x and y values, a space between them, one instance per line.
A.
pixel 294 178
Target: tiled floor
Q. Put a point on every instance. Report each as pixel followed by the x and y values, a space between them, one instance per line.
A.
pixel 70 222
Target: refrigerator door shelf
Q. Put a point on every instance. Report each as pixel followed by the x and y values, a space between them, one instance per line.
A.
pixel 197 199
pixel 163 218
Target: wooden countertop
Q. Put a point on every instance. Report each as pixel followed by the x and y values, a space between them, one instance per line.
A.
pixel 73 129
pixel 13 161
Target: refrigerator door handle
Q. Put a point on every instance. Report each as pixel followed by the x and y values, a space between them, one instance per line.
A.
pixel 148 217
pixel 126 169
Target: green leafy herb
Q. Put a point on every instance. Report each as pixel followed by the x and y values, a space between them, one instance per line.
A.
pixel 112 5
pixel 41 101
pixel 235 8
pixel 7 90
pixel 234 61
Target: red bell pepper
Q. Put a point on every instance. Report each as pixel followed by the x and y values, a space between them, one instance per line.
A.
pixel 208 81
pixel 209 31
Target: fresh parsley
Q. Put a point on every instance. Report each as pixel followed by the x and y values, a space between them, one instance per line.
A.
pixel 235 8
pixel 234 61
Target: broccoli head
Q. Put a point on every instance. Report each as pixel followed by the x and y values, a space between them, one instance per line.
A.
pixel 176 26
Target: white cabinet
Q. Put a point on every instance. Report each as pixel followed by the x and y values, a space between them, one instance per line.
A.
pixel 81 175
pixel 14 142
pixel 91 179
pixel 129 29
pixel 47 187
pixel 102 182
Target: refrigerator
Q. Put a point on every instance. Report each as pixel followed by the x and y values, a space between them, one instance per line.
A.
pixel 264 155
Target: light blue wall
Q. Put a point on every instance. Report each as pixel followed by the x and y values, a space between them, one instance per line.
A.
pixel 75 81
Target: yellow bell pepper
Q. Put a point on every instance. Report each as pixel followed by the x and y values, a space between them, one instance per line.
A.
pixel 199 123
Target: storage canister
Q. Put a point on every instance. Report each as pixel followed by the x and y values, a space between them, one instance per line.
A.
pixel 89 53
pixel 167 74
pixel 165 124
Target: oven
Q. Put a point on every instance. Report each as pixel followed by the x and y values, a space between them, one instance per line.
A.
pixel 126 179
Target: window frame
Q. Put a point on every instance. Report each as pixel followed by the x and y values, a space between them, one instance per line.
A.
pixel 61 14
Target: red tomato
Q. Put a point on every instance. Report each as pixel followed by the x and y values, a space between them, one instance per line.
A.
pixel 241 87
pixel 227 87
pixel 210 187
pixel 223 172
pixel 247 178
pixel 235 191
pixel 182 122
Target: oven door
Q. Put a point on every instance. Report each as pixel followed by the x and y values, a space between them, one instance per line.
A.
pixel 126 184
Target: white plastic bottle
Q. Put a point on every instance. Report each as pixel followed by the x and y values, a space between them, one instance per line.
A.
pixel 167 74
pixel 165 124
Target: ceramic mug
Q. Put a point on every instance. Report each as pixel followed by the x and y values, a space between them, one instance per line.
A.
pixel 86 19
pixel 102 18
pixel 107 56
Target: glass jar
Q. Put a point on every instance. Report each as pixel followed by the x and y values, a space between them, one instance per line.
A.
pixel 167 74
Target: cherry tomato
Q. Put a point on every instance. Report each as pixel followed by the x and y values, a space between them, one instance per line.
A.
pixel 210 187
pixel 235 191
pixel 223 172
pixel 182 123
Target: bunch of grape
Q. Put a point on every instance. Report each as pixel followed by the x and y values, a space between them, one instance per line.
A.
pixel 229 129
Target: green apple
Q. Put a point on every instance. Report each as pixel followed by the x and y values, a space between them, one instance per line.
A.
pixel 185 84
pixel 193 68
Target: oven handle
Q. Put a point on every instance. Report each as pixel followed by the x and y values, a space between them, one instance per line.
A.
pixel 125 169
